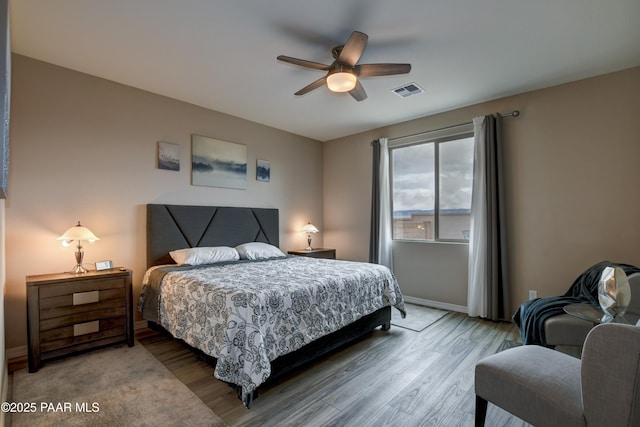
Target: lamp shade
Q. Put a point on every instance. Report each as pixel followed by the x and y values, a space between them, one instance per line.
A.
pixel 341 81
pixel 78 232
pixel 309 228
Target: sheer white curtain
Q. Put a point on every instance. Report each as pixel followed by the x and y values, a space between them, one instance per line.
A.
pixel 381 233
pixel 488 290
pixel 477 292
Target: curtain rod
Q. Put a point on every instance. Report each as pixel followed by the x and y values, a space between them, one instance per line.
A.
pixel 514 113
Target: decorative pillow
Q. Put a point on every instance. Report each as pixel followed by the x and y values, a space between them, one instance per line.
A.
pixel 258 250
pixel 204 255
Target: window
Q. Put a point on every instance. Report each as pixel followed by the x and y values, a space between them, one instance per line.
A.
pixel 431 183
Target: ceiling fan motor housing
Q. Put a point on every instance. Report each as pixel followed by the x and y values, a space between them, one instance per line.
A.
pixel 342 75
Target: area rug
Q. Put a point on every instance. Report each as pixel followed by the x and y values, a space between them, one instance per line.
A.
pixel 116 386
pixel 418 317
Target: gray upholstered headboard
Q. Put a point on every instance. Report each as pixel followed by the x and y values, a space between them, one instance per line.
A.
pixel 172 227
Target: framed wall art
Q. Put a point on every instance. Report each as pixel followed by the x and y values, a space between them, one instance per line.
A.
pixel 263 170
pixel 168 156
pixel 216 163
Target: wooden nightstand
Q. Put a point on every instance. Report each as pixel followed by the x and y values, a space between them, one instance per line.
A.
pixel 316 253
pixel 68 313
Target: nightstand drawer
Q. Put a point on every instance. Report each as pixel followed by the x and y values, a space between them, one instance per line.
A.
pixel 80 286
pixel 67 313
pixel 75 334
pixel 82 317
pixel 64 305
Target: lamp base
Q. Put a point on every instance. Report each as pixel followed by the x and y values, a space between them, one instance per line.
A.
pixel 309 248
pixel 79 269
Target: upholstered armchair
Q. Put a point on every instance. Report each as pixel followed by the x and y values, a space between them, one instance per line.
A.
pixel 547 388
pixel 565 329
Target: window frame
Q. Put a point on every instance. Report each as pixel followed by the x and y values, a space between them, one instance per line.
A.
pixel 435 137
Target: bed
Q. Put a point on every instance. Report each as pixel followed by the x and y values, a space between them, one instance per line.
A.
pixel 258 318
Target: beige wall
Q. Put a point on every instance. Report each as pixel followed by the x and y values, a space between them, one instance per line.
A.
pixel 83 148
pixel 571 182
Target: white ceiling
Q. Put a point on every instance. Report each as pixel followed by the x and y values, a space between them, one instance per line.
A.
pixel 221 54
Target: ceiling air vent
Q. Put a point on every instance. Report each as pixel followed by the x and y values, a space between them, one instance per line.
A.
pixel 408 90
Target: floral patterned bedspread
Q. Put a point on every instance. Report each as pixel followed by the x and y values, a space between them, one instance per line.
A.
pixel 246 314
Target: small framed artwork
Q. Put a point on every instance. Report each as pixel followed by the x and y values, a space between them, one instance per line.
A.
pixel 168 156
pixel 263 170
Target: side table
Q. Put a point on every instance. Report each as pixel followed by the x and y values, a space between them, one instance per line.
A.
pixel 588 312
pixel 68 313
pixel 315 253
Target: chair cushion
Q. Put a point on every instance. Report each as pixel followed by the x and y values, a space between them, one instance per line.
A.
pixel 537 384
pixel 565 329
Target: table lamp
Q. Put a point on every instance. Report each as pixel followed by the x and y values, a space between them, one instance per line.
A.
pixel 309 229
pixel 78 233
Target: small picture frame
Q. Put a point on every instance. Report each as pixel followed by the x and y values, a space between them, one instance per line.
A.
pixel 104 265
pixel 168 156
pixel 263 170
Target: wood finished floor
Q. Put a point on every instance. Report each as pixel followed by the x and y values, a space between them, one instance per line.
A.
pixel 396 378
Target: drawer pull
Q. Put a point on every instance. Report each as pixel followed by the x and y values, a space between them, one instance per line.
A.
pixel 86 328
pixel 86 297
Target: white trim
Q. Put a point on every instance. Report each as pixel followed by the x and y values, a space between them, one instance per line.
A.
pixel 431 136
pixel 436 304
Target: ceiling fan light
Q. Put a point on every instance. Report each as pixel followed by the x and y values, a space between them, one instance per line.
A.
pixel 341 81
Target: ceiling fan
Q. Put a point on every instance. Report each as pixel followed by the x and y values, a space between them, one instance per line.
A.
pixel 342 75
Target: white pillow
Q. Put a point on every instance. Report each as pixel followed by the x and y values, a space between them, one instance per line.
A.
pixel 204 255
pixel 258 250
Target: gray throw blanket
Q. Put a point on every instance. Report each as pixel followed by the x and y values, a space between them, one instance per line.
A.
pixel 531 315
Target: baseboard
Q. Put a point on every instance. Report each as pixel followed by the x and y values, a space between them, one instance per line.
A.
pixel 436 304
pixel 140 325
pixel 15 352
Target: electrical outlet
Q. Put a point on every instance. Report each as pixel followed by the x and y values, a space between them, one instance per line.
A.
pixel 533 294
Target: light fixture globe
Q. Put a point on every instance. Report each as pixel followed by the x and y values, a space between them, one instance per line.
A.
pixel 341 80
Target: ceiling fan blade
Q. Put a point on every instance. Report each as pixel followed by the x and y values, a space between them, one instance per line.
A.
pixel 303 63
pixel 311 86
pixel 372 70
pixel 353 48
pixel 358 92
